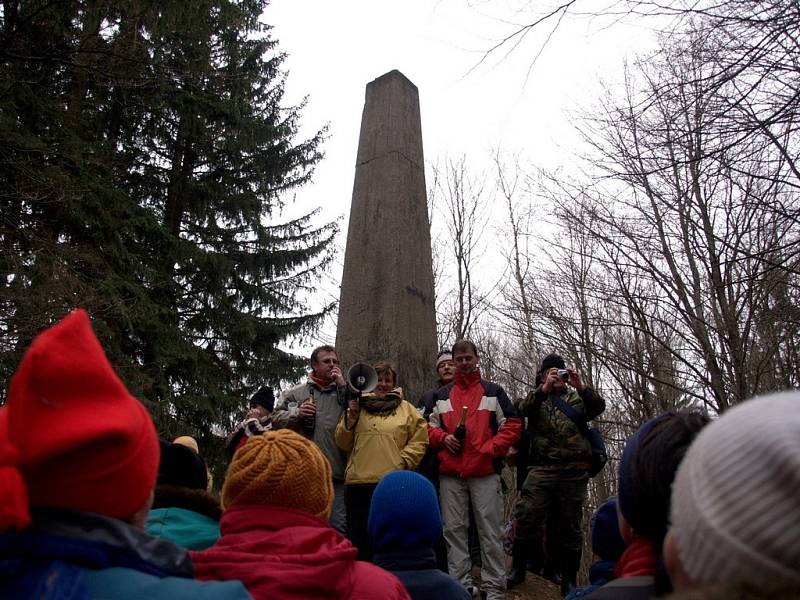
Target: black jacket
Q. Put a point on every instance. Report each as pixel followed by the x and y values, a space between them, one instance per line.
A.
pixel 418 572
pixel 429 465
pixel 428 400
pixel 626 588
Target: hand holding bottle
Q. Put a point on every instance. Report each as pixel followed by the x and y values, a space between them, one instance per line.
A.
pixel 455 441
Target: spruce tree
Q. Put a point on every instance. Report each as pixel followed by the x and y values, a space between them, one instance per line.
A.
pixel 148 154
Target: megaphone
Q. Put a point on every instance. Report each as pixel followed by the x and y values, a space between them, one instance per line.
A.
pixel 362 377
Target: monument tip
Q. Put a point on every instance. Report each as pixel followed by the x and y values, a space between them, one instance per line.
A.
pixel 394 73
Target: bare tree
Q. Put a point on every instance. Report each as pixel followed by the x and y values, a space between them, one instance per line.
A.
pixel 668 268
pixel 697 217
pixel 520 216
pixel 459 196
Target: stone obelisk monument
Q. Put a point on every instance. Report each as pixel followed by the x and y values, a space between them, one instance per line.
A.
pixel 386 309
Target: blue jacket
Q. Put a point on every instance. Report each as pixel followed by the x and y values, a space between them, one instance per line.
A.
pixel 418 572
pixel 600 573
pixel 186 528
pixel 83 556
pixel 188 517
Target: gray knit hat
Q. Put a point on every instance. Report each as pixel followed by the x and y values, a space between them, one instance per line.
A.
pixel 736 497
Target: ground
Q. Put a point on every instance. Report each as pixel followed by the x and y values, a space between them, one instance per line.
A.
pixel 534 588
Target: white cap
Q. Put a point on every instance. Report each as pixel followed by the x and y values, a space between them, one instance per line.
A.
pixel 736 497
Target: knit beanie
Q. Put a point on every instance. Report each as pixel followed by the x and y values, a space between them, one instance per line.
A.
pixel 550 361
pixel 607 543
pixel 735 508
pixel 188 441
pixel 263 397
pixel 443 357
pixel 182 467
pixel 71 435
pixel 280 468
pixel 404 513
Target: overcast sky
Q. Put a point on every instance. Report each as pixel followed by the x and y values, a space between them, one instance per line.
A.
pixel 335 48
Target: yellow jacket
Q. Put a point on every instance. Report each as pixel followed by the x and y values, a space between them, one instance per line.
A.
pixel 380 444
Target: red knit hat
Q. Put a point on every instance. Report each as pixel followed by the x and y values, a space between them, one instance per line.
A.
pixel 71 436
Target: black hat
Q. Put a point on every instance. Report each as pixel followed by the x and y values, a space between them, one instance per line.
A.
pixel 181 466
pixel 264 397
pixel 552 361
pixel 548 362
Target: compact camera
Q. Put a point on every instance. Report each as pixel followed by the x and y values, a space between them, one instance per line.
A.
pixel 563 374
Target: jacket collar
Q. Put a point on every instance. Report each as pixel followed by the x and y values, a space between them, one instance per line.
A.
pixel 95 541
pixel 420 559
pixel 321 384
pixel 639 558
pixel 199 501
pixel 466 380
pixel 266 517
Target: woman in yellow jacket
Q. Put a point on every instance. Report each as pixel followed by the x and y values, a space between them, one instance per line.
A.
pixel 382 433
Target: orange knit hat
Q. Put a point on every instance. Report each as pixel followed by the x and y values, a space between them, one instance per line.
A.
pixel 281 468
pixel 71 435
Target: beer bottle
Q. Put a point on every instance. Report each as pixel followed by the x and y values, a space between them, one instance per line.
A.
pixel 461 431
pixel 309 423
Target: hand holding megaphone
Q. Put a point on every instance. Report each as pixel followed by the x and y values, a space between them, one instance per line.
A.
pixel 353 406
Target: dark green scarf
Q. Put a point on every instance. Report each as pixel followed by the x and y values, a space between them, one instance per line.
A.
pixel 382 406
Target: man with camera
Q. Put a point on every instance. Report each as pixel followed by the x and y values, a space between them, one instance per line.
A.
pixel 313 408
pixel 560 457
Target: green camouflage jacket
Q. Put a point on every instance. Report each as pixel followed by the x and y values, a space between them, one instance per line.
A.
pixel 556 442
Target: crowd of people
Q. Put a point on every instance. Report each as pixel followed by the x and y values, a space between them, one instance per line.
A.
pixel 334 493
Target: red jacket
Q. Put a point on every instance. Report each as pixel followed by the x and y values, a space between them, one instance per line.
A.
pixel 492 425
pixel 282 553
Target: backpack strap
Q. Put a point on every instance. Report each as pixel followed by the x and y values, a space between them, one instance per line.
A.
pixel 573 415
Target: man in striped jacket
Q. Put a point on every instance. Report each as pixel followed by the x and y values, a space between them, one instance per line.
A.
pixel 469 465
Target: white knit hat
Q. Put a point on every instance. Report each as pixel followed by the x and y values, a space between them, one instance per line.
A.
pixel 736 497
pixel 443 356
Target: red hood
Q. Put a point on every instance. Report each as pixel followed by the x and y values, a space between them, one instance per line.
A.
pixel 284 554
pixel 279 553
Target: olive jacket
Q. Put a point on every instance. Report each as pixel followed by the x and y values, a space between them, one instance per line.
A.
pixel 556 442
pixel 330 402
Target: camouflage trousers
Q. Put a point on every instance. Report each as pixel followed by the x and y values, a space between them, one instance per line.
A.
pixel 547 494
